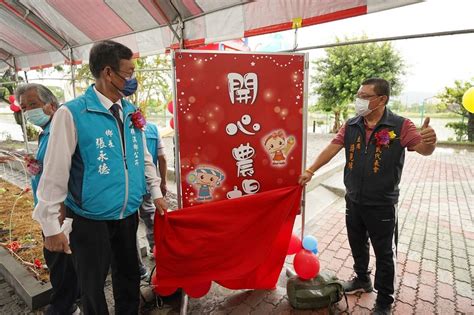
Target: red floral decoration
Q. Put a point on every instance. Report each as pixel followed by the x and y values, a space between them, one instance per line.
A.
pixel 382 138
pixel 14 246
pixel 138 121
pixel 33 166
pixel 37 263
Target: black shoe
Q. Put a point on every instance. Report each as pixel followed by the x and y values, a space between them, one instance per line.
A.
pixel 356 285
pixel 73 310
pixel 382 309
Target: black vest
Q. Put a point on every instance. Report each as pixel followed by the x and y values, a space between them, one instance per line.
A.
pixel 372 172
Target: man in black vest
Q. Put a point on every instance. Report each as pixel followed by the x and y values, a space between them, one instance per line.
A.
pixel 374 142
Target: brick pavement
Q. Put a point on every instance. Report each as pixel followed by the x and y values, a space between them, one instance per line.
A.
pixel 435 253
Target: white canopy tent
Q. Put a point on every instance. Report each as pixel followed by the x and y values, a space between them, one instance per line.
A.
pixel 37 34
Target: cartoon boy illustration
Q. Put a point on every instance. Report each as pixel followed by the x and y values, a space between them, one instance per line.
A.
pixel 205 179
pixel 278 146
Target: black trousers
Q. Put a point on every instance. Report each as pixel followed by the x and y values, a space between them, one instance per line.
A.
pixel 62 276
pixel 98 245
pixel 380 225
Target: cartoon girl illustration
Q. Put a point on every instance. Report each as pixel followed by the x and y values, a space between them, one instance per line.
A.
pixel 278 146
pixel 205 179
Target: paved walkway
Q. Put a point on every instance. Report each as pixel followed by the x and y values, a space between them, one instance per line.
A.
pixel 435 253
pixel 436 248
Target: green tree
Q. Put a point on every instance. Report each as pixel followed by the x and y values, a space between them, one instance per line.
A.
pixel 7 88
pixel 154 82
pixel 58 92
pixel 451 100
pixel 396 105
pixel 154 86
pixel 339 74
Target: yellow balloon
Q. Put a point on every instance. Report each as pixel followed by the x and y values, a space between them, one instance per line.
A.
pixel 468 100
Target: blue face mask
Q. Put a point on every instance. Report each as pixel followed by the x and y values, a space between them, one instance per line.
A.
pixel 130 86
pixel 37 117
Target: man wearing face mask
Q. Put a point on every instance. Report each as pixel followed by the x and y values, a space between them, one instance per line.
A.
pixel 39 104
pixel 374 142
pixel 97 162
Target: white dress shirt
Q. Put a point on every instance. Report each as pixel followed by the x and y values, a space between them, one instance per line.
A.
pixel 53 185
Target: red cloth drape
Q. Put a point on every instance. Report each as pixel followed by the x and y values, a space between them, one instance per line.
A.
pixel 238 243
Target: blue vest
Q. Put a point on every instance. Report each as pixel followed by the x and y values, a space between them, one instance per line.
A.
pixel 42 144
pixel 152 138
pixel 104 183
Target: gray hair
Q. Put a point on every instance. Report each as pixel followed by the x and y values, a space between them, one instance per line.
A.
pixel 44 94
pixel 20 90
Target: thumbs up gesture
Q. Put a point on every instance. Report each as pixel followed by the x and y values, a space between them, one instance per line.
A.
pixel 428 135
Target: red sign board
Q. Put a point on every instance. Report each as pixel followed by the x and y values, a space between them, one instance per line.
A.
pixel 239 120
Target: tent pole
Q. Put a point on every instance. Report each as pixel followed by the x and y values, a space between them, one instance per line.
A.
pixel 295 43
pixel 23 121
pixel 8 63
pixel 73 73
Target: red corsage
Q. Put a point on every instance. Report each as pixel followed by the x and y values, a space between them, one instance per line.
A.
pixel 33 166
pixel 138 121
pixel 383 137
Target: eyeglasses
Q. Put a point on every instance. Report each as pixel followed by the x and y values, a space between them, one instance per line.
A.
pixel 128 77
pixel 366 96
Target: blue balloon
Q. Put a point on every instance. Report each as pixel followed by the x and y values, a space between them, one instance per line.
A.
pixel 310 243
pixel 315 251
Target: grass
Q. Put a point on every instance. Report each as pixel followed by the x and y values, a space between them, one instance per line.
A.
pixel 12 145
pixel 24 229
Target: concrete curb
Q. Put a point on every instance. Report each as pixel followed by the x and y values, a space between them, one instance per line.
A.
pixel 323 174
pixel 34 293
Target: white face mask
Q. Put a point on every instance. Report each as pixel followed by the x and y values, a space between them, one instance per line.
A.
pixel 37 117
pixel 362 107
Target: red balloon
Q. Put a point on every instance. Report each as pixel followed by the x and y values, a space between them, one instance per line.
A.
pixel 295 245
pixel 170 107
pixel 306 264
pixel 172 123
pixel 198 290
pixel 11 98
pixel 14 108
pixel 160 290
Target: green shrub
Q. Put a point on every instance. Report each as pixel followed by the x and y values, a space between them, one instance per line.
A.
pixel 460 129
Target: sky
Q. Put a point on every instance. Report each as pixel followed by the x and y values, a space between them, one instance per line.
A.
pixel 432 63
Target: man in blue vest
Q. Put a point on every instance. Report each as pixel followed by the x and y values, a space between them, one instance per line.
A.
pixel 374 142
pixel 39 104
pixel 156 148
pixel 98 164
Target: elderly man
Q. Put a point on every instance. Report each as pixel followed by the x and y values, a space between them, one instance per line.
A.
pixel 374 142
pixel 39 104
pixel 98 163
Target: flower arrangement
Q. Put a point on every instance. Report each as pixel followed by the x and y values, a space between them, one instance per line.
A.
pixel 138 121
